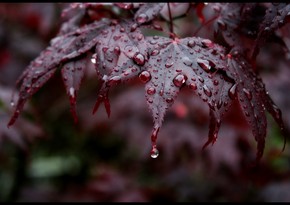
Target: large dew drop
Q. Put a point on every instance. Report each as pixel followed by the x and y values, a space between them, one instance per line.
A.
pixel 139 59
pixel 179 80
pixel 144 76
pixel 205 65
pixel 154 152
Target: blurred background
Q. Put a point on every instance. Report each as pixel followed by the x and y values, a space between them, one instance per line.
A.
pixel 46 157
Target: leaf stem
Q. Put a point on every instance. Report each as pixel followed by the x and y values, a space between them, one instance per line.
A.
pixel 202 25
pixel 172 35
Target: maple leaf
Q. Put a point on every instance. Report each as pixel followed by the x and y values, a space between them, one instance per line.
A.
pixel 228 20
pixel 193 62
pixel 253 98
pixel 118 57
pixel 148 12
pixel 277 15
pixel 120 52
pixel 64 48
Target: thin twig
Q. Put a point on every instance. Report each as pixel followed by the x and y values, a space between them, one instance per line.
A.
pixel 171 21
pixel 206 23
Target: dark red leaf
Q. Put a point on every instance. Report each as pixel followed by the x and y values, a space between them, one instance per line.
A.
pixel 72 74
pixel 61 50
pixel 277 15
pixel 148 12
pixel 253 99
pixel 120 52
pixel 193 62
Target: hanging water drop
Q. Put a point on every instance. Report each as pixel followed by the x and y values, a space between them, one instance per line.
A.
pixel 12 103
pixel 154 152
pixel 144 76
pixel 72 92
pixel 179 80
pixel 139 59
pixel 233 91
pixel 94 58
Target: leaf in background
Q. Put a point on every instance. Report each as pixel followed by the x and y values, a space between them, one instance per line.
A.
pixel 253 98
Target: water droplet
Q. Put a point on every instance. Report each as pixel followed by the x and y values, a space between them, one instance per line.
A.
pixel 248 93
pixel 207 43
pixel 169 63
pixel 94 58
pixel 122 30
pixel 145 76
pixel 116 38
pixel 151 91
pixel 117 50
pixel 186 61
pixel 133 27
pixel 140 37
pixel 219 104
pixel 200 79
pixel 72 92
pixel 216 82
pixel 207 91
pixel 152 42
pixel 139 59
pixel 105 49
pixel 222 25
pixel 193 86
pixel 12 103
pixel 191 43
pixel 114 80
pixel 157 27
pixel 207 66
pixel 154 152
pixel 128 49
pixel 179 80
pixel 169 100
pixel 155 52
pixel 233 91
pixel 155 37
pixel 142 18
